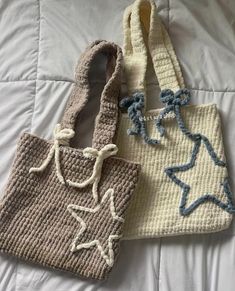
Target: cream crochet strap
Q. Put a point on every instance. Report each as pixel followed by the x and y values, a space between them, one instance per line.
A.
pixel 106 122
pixel 144 36
pixel 183 186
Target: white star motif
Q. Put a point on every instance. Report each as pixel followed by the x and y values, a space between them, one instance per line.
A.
pixel 107 256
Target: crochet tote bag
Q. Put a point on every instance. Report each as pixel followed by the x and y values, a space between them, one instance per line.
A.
pixel 183 186
pixel 64 207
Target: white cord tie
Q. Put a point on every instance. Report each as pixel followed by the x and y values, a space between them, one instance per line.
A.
pixel 61 137
pixel 107 151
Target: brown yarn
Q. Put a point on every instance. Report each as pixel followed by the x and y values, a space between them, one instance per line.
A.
pixel 35 224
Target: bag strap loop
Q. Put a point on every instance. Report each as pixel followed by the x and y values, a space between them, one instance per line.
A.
pixel 146 37
pixel 106 119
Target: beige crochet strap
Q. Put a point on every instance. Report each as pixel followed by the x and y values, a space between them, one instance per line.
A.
pixel 145 36
pixel 106 120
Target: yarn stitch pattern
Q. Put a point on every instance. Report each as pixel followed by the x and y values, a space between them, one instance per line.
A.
pixel 173 103
pixel 155 209
pixel 61 137
pixel 142 220
pixel 73 209
pixel 49 179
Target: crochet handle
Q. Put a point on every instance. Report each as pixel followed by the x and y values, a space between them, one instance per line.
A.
pixel 106 119
pixel 144 36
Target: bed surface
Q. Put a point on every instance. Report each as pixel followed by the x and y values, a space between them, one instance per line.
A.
pixel 40 42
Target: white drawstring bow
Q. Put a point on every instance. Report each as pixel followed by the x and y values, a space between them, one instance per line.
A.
pixel 61 137
pixel 107 151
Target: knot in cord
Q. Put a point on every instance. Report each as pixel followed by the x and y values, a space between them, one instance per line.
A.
pixel 107 151
pixel 135 102
pixel 134 106
pixel 63 136
pixel 181 97
pixel 172 103
pixel 99 155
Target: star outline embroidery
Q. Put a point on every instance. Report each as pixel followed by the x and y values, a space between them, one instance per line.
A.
pixel 185 211
pixel 109 258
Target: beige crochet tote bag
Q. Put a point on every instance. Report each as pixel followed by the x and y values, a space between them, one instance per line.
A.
pixel 183 187
pixel 64 207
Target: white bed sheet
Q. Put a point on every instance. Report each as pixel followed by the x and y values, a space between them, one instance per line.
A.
pixel 40 42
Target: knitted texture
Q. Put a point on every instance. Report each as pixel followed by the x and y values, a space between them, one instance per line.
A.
pixel 144 34
pixel 183 186
pixel 154 209
pixel 46 220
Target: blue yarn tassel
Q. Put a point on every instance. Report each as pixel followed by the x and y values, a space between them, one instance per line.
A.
pixel 134 106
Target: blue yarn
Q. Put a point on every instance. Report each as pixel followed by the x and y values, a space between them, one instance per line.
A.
pixel 170 171
pixel 197 136
pixel 173 103
pixel 134 105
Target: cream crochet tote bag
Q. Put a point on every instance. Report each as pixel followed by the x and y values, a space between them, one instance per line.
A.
pixel 183 187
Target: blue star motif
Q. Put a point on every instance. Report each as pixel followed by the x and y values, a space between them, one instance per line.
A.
pixel 173 102
pixel 170 171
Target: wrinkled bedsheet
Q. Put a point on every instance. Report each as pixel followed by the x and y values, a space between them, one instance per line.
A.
pixel 40 42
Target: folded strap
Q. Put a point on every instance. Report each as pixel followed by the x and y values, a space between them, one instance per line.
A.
pixel 106 121
pixel 146 37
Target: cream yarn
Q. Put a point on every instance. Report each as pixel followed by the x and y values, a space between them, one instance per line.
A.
pixel 73 209
pixel 61 137
pixel 145 35
pixel 154 209
pixel 106 152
